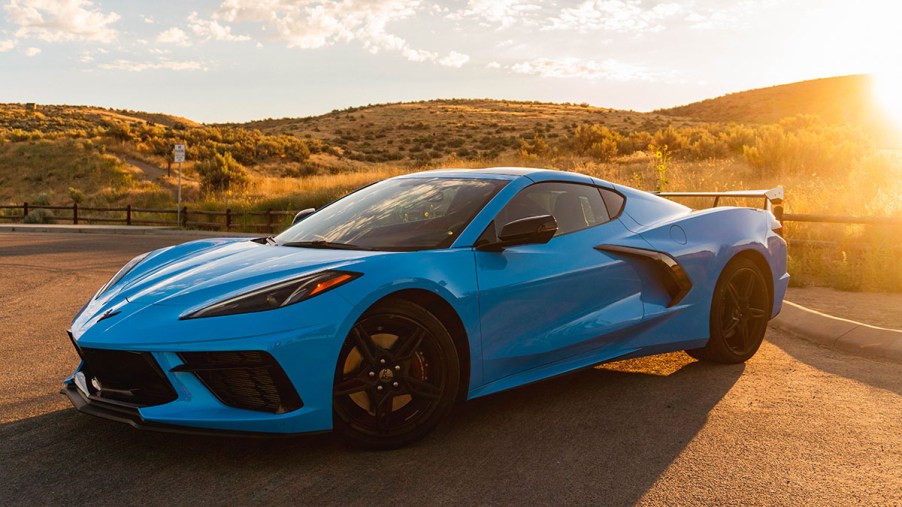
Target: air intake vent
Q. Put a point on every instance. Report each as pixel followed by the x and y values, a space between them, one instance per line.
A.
pixel 249 379
pixel 134 378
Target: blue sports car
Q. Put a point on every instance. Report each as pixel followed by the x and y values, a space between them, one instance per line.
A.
pixel 373 315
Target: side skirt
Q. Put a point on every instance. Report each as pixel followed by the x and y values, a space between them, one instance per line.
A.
pixel 574 364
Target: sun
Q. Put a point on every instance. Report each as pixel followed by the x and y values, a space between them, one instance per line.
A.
pixel 888 93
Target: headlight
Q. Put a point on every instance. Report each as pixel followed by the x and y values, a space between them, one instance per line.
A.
pixel 122 272
pixel 277 295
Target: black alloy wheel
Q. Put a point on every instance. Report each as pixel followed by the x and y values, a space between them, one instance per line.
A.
pixel 740 310
pixel 396 378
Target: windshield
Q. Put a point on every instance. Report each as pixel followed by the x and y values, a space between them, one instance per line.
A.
pixel 396 214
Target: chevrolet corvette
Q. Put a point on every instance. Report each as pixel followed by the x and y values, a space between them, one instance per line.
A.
pixel 373 315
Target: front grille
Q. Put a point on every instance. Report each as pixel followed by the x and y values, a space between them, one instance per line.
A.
pixel 249 379
pixel 125 376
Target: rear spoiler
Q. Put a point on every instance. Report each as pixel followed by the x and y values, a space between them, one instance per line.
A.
pixel 772 199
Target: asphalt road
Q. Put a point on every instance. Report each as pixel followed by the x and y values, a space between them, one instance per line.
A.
pixel 796 425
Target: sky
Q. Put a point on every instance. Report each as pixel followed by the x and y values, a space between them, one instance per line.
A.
pixel 240 60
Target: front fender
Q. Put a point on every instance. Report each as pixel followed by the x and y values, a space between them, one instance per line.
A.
pixel 450 274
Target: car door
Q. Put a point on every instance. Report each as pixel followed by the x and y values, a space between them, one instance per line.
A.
pixel 542 303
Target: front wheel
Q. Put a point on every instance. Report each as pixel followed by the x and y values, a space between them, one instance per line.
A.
pixel 740 310
pixel 397 376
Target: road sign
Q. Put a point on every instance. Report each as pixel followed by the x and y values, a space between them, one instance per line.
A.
pixel 178 154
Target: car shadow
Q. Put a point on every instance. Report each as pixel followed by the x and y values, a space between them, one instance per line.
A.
pixel 875 373
pixel 602 435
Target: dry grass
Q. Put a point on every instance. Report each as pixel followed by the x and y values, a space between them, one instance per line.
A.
pixel 275 193
pixel 52 167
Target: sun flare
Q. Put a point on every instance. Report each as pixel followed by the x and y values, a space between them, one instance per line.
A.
pixel 888 93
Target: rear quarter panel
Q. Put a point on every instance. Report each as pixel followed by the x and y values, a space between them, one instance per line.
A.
pixel 704 241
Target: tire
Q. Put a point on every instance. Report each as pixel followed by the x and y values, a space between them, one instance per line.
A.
pixel 740 309
pixel 396 378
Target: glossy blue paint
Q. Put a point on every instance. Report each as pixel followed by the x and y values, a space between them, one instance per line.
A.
pixel 540 304
pixel 529 312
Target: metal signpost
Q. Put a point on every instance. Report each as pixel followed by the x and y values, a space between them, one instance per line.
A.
pixel 179 156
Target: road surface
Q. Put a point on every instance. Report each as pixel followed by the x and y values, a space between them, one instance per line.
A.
pixel 796 425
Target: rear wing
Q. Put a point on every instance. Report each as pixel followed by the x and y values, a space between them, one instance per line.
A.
pixel 772 199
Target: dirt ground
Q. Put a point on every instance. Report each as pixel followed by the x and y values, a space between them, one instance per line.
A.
pixel 874 308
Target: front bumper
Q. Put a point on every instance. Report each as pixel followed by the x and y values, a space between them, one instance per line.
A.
pixel 303 340
pixel 205 400
pixel 104 409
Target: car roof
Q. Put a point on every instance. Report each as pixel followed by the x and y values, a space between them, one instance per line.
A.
pixel 505 173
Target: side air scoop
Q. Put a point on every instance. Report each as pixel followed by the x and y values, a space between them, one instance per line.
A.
pixel 673 276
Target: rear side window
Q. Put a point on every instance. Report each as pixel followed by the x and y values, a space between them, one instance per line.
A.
pixel 613 201
pixel 574 206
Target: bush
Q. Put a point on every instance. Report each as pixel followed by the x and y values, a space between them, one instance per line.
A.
pixel 222 172
pixel 538 148
pixel 39 216
pixel 77 195
pixel 594 141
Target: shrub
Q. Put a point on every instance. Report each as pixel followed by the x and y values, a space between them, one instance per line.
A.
pixel 77 195
pixel 39 216
pixel 221 172
pixel 674 140
pixel 538 148
pixel 595 141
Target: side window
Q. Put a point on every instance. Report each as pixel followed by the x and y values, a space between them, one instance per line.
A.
pixel 574 206
pixel 614 202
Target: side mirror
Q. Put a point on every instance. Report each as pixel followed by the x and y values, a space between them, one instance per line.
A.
pixel 525 231
pixel 302 215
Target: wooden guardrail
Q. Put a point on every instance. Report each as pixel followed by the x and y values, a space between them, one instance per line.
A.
pixel 272 220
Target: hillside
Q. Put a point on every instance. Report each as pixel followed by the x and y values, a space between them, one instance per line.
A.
pixel 836 100
pixel 61 118
pixel 815 138
pixel 751 126
pixel 467 129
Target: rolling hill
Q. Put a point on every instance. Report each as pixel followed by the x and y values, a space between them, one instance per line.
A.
pixel 400 136
pixel 836 100
pixel 467 128
pixel 50 119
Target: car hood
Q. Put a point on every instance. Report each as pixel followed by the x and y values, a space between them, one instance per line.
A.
pixel 200 273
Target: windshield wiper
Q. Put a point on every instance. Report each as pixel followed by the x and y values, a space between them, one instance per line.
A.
pixel 325 244
pixel 269 240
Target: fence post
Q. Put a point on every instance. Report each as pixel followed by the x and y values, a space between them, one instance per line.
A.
pixel 228 218
pixel 75 213
pixel 269 221
pixel 778 212
pixel 184 217
pixel 128 215
pixel 24 210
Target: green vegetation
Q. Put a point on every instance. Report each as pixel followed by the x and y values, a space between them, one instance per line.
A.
pixel 50 167
pixel 221 173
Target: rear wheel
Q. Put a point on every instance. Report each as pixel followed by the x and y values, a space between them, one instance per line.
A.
pixel 397 376
pixel 740 310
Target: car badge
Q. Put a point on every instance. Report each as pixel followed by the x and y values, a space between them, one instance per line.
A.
pixel 109 313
